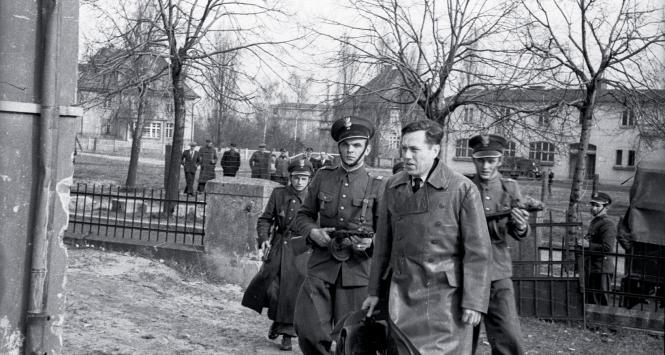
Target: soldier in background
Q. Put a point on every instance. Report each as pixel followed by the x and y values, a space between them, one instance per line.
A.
pixel 207 161
pixel 281 174
pixel 340 198
pixel 231 161
pixel 259 163
pixel 190 162
pixel 600 238
pixel 277 284
pixel 498 193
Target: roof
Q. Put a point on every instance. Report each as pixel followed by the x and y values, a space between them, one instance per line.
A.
pixel 542 95
pixel 102 72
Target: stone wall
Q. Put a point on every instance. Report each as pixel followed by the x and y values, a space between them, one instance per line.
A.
pixel 233 207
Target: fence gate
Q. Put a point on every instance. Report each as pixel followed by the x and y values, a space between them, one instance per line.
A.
pixel 136 216
pixel 544 278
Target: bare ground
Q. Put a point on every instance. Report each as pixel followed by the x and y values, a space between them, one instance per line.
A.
pixel 118 303
pixel 123 304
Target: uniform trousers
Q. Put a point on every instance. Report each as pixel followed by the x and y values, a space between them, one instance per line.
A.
pixel 319 305
pixel 502 324
pixel 601 282
pixel 189 178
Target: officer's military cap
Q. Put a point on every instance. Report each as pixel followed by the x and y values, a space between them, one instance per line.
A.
pixel 232 144
pixel 309 149
pixel 208 140
pixel 262 145
pixel 601 198
pixel 487 146
pixel 351 127
pixel 192 144
pixel 282 150
pixel 301 167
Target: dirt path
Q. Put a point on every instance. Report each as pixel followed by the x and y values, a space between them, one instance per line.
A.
pixel 121 304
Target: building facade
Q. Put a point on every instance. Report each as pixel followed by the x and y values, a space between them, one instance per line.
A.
pixel 111 108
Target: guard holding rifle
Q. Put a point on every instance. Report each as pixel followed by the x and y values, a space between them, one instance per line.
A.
pixel 507 216
pixel 343 199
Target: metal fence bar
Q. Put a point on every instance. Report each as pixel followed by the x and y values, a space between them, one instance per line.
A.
pixel 144 224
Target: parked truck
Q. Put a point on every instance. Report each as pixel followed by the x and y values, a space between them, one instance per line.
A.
pixel 517 167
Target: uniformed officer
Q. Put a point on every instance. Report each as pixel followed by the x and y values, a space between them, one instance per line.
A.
pixel 600 239
pixel 276 286
pixel 498 194
pixel 342 198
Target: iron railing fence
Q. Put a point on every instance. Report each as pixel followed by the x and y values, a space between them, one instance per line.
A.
pixel 114 213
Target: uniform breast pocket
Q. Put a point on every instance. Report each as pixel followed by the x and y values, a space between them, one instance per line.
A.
pixel 327 204
pixel 358 202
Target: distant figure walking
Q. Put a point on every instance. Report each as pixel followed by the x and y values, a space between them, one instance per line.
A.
pixel 550 179
pixel 207 160
pixel 231 161
pixel 190 162
pixel 259 162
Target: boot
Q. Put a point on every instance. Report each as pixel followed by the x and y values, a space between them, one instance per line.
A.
pixel 272 333
pixel 286 343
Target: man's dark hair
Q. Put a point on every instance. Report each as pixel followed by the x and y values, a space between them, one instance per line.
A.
pixel 433 130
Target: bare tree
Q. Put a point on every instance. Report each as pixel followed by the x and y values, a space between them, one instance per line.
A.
pixel 185 26
pixel 442 55
pixel 587 45
pixel 127 69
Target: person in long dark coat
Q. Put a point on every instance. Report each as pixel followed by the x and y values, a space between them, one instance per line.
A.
pixel 207 160
pixel 259 163
pixel 190 162
pixel 277 284
pixel 231 161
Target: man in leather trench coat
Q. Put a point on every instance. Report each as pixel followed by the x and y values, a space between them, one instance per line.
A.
pixel 502 324
pixel 432 250
pixel 277 284
pixel 343 197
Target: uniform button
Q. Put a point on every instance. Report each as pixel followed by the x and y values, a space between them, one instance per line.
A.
pixel 291 209
pixel 487 208
pixel 344 196
pixel 488 198
pixel 341 219
pixel 438 223
pixel 346 184
pixel 294 201
pixel 285 242
pixel 341 207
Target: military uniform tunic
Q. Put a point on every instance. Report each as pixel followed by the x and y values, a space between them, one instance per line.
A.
pixel 501 321
pixel 336 200
pixel 334 288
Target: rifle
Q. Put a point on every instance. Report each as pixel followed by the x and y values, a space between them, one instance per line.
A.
pixel 530 205
pixel 341 246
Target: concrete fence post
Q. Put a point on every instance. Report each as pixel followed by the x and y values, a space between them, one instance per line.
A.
pixel 233 205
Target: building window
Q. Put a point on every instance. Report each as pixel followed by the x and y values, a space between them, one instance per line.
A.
pixel 106 103
pixel 544 119
pixel 618 160
pixel 462 149
pixel 510 149
pixel 152 130
pixel 628 118
pixel 631 158
pixel 468 115
pixel 168 130
pixel 542 151
pixel 393 139
pixel 394 117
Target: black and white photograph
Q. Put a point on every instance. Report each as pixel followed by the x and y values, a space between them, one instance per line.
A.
pixel 332 177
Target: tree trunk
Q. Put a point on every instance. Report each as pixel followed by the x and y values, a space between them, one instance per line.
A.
pixel 586 119
pixel 173 170
pixel 136 139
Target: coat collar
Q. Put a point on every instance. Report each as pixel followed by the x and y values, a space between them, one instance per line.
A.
pixel 439 178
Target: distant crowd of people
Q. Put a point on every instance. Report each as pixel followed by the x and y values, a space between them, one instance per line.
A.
pixel 264 164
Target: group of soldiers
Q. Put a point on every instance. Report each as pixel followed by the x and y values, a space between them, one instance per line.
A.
pixel 416 250
pixel 206 158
